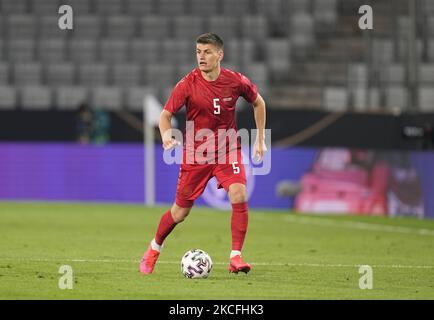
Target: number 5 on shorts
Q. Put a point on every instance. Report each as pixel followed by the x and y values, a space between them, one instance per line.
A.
pixel 235 167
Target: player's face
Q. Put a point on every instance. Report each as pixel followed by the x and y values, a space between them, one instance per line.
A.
pixel 208 57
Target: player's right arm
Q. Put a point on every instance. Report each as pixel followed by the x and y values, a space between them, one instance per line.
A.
pixel 165 126
pixel 176 100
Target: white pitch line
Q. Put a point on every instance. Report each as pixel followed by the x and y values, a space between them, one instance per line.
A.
pixel 358 225
pixel 283 264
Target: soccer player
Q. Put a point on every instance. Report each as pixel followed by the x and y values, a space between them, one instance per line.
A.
pixel 209 93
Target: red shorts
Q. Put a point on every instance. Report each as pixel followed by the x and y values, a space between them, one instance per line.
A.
pixel 193 179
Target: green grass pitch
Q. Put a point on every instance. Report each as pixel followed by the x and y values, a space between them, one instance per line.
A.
pixel 293 256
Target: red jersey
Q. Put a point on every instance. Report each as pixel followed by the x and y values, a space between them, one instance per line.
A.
pixel 211 104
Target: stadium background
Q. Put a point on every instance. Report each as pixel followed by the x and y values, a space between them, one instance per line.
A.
pixel 351 113
pixel 333 91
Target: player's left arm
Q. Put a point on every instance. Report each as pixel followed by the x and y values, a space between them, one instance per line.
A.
pixel 259 148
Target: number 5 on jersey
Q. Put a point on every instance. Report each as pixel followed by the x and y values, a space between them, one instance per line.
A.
pixel 235 167
pixel 216 106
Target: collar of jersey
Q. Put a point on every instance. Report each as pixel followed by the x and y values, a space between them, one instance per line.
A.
pixel 210 82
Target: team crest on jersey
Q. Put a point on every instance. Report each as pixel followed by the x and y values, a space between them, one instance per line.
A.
pixel 227 92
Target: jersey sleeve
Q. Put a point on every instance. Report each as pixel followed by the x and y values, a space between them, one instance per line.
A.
pixel 249 91
pixel 178 97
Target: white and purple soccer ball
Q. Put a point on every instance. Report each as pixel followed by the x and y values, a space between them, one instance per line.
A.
pixel 196 263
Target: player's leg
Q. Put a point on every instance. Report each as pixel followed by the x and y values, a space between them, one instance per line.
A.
pixel 240 217
pixel 176 214
pixel 238 197
pixel 191 183
pixel 168 221
pixel 233 179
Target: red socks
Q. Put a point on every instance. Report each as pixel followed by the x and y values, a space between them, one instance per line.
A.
pixel 240 218
pixel 164 228
pixel 239 224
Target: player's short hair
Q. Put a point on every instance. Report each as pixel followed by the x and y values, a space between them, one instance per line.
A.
pixel 210 38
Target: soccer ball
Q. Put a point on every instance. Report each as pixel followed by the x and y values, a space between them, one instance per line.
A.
pixel 196 263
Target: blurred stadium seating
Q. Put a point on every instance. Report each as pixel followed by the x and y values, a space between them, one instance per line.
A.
pixel 301 53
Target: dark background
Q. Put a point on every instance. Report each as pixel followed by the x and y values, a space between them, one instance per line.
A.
pixel 373 131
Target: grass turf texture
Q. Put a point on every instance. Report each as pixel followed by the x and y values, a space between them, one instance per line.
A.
pixel 293 256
